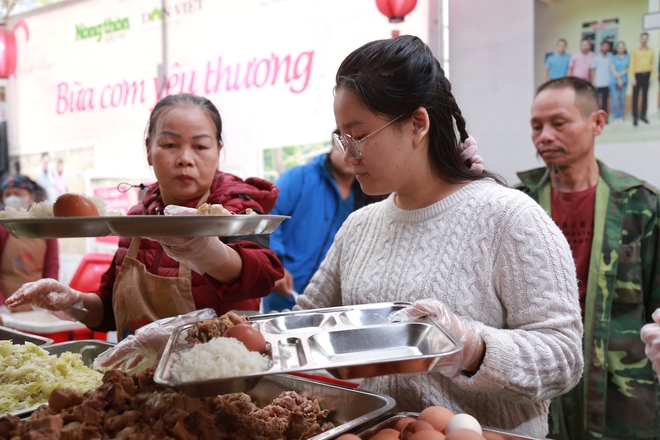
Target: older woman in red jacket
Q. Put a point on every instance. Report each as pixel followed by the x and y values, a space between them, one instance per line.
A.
pixel 154 278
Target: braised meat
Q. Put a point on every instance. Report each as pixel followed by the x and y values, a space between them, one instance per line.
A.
pixel 214 328
pixel 135 407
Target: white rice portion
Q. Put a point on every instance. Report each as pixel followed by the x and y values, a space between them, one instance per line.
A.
pixel 45 210
pixel 41 210
pixel 218 358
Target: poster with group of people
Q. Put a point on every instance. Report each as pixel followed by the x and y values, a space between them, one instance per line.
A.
pixel 607 43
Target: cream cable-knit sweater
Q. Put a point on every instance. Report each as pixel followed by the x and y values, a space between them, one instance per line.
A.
pixel 488 252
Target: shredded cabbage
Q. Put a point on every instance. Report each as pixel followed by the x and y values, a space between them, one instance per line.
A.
pixel 28 374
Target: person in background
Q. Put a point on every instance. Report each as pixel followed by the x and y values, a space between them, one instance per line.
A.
pixel 641 65
pixel 60 185
pixel 318 196
pixel 480 258
pixel 160 277
pixel 45 177
pixel 611 220
pixel 580 64
pixel 600 74
pixel 23 260
pixel 556 65
pixel 619 81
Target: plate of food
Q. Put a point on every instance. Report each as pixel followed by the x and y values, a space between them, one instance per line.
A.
pixel 281 407
pixel 31 372
pixel 213 357
pixel 77 215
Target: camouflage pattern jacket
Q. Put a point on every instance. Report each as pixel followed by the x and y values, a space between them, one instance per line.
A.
pixel 621 391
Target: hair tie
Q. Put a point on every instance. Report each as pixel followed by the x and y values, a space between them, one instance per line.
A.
pixel 469 152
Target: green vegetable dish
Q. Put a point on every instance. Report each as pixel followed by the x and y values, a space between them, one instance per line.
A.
pixel 28 374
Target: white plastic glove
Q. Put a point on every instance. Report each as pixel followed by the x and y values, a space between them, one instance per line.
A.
pixel 650 334
pixel 145 347
pixel 201 254
pixel 52 296
pixel 466 330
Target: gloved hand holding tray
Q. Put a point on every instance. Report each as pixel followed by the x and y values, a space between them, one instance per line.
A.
pixel 349 342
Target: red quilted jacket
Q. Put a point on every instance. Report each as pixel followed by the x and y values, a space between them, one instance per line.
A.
pixel 261 268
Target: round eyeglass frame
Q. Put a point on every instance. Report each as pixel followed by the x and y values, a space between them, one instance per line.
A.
pixel 345 142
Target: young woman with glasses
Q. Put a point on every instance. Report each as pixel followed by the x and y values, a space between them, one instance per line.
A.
pixel 482 259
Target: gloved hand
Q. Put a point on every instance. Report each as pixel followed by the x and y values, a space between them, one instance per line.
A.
pixel 650 334
pixel 466 330
pixel 201 254
pixel 145 347
pixel 52 296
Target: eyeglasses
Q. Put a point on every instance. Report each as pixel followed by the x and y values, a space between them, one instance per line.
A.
pixel 345 142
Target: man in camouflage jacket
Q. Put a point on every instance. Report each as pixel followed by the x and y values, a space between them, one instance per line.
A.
pixel 618 396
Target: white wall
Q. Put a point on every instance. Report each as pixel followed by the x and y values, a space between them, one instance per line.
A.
pixel 491 53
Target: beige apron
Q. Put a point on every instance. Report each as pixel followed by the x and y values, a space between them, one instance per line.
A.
pixel 140 297
pixel 22 262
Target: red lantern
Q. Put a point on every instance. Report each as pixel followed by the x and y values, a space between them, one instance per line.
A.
pixel 7 52
pixel 396 10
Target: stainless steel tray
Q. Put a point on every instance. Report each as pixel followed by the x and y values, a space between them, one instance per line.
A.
pixel 143 226
pixel 193 225
pixel 349 408
pixel 19 337
pixel 349 342
pixel 89 349
pixel 389 421
pixel 56 227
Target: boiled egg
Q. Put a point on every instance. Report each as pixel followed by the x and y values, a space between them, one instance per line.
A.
pixel 464 434
pixel 251 338
pixel 402 422
pixel 438 416
pixel 414 427
pixel 463 421
pixel 428 435
pixel 74 205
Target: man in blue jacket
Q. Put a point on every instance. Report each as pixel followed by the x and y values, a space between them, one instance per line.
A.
pixel 318 196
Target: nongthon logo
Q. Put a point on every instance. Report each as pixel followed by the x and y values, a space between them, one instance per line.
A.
pixel 109 26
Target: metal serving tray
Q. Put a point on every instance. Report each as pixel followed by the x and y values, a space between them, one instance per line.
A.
pixel 89 349
pixel 19 337
pixel 143 226
pixel 349 342
pixel 56 227
pixel 349 408
pixel 389 421
pixel 193 225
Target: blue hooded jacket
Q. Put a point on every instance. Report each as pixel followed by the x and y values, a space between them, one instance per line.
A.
pixel 310 195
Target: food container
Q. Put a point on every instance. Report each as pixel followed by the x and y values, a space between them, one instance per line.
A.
pixel 49 326
pixel 388 421
pixel 88 349
pixel 349 342
pixel 19 337
pixel 349 408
